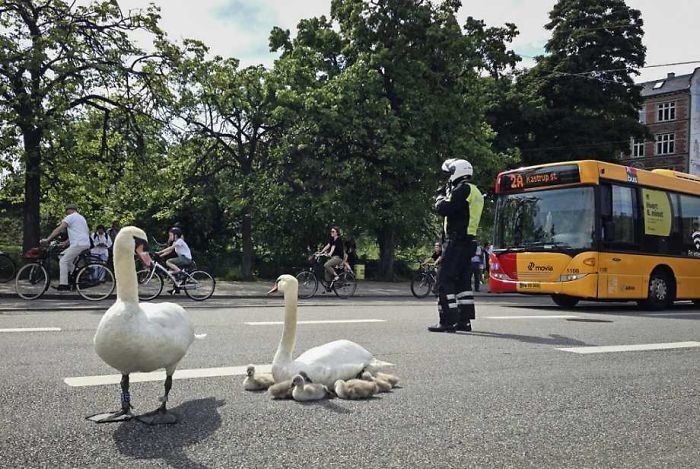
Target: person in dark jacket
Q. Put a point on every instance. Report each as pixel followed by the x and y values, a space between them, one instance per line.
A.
pixel 460 203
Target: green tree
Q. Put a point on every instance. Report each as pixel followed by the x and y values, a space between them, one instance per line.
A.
pixel 396 93
pixel 57 58
pixel 583 102
pixel 235 112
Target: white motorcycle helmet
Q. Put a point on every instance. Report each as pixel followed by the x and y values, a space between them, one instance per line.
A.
pixel 457 168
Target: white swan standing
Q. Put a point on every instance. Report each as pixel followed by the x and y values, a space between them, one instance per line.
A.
pixel 134 337
pixel 325 364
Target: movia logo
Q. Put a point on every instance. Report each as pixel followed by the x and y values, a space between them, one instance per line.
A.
pixel 539 268
pixel 631 174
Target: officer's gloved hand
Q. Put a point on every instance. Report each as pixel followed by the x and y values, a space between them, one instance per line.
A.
pixel 441 191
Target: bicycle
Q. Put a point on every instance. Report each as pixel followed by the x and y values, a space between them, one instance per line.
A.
pixel 425 281
pixel 343 286
pixel 7 268
pixel 91 277
pixel 198 285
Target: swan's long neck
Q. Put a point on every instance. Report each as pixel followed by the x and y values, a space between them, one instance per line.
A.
pixel 125 273
pixel 289 332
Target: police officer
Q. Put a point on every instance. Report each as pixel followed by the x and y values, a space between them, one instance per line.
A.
pixel 461 203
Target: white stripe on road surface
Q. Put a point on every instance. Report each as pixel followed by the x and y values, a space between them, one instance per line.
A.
pixel 328 321
pixel 552 316
pixel 672 314
pixel 32 329
pixel 101 380
pixel 631 348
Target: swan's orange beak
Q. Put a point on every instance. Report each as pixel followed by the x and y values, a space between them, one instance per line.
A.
pixel 273 289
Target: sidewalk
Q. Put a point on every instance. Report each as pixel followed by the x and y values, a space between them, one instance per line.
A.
pixel 259 289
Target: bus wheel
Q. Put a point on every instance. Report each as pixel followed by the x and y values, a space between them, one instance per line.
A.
pixel 660 291
pixel 565 301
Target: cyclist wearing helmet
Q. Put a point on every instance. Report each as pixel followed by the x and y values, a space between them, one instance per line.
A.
pixel 460 202
pixel 177 244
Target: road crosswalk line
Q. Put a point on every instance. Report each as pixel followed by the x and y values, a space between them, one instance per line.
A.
pixel 544 316
pixel 630 348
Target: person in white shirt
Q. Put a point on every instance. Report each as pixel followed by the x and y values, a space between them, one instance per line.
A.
pixel 101 242
pixel 78 241
pixel 178 245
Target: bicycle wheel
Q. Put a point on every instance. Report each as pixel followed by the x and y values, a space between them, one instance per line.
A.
pixel 32 281
pixel 95 281
pixel 150 284
pixel 345 286
pixel 421 285
pixel 308 284
pixel 7 268
pixel 199 285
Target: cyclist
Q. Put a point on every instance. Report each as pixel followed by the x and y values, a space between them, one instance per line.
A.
pixel 177 244
pixel 334 250
pixel 78 241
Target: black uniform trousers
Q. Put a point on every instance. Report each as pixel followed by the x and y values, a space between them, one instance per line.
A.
pixel 455 295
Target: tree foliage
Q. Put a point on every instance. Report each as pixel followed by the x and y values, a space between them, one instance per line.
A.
pixel 581 99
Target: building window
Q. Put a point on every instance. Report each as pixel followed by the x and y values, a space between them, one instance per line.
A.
pixel 666 112
pixel 665 144
pixel 642 116
pixel 637 148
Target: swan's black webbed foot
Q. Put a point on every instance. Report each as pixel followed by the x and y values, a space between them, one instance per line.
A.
pixel 160 416
pixel 123 415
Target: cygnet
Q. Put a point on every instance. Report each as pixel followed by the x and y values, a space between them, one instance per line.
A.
pixel 355 389
pixel 253 382
pixel 303 391
pixel 382 386
pixel 391 379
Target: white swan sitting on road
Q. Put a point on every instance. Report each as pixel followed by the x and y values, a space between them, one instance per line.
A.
pixel 325 364
pixel 140 337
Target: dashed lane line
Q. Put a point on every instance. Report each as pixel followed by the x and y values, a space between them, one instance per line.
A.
pixel 546 316
pixel 327 321
pixel 32 329
pixel 630 348
pixel 101 380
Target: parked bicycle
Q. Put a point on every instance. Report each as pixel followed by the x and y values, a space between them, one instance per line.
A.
pixel 7 268
pixel 425 281
pixel 309 279
pixel 91 277
pixel 197 284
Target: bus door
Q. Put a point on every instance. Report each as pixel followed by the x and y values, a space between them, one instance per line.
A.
pixel 620 275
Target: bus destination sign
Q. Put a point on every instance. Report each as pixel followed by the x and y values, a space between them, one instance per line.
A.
pixel 519 180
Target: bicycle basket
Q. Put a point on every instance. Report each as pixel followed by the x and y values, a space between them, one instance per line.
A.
pixel 35 253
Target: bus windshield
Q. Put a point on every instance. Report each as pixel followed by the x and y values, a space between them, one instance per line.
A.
pixel 545 220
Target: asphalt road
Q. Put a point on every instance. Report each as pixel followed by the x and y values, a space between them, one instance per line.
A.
pixel 504 395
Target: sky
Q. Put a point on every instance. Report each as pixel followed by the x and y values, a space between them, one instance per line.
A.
pixel 240 28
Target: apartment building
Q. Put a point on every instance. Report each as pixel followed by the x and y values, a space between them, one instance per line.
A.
pixel 671 111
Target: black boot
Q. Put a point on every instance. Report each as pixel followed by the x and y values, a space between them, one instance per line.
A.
pixel 463 320
pixel 440 327
pixel 446 324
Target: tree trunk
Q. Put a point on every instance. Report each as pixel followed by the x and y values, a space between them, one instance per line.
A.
pixel 247 236
pixel 247 223
pixel 385 239
pixel 32 188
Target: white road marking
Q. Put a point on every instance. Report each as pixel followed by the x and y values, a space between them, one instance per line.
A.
pixel 630 348
pixel 551 316
pixel 328 321
pixel 32 329
pixel 673 314
pixel 101 380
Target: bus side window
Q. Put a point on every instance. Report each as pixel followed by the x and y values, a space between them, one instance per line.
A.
pixel 620 227
pixel 606 223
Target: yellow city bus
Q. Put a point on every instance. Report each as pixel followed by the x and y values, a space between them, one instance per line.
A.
pixel 588 230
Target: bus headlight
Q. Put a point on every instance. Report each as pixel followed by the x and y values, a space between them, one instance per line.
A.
pixel 570 277
pixel 500 276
